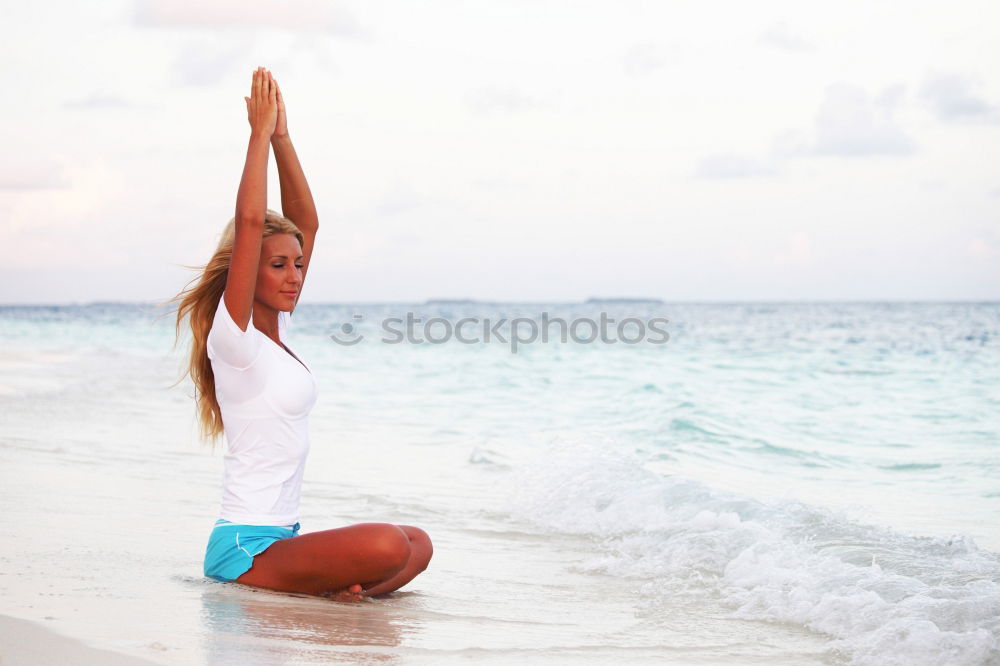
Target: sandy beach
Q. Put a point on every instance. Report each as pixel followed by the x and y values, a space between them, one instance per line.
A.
pixel 27 643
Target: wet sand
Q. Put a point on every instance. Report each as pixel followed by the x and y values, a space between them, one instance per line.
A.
pixel 33 644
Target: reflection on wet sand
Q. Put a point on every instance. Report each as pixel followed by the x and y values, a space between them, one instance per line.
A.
pixel 248 625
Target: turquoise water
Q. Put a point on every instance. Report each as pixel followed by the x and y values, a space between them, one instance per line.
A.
pixel 807 482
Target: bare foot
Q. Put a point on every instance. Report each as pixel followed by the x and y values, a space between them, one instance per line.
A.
pixel 352 593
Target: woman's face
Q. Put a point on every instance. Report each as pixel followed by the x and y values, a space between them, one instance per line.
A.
pixel 279 276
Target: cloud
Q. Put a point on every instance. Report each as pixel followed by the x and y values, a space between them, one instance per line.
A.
pixel 981 249
pixel 299 15
pixel 504 183
pixel 731 165
pixel 953 98
pixel 22 176
pixel 642 59
pixel 76 224
pixel 399 198
pixel 206 63
pixel 99 101
pixel 798 250
pixel 499 100
pixel 850 123
pixel 780 35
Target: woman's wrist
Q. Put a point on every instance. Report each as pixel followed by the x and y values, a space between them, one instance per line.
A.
pixel 259 137
pixel 279 138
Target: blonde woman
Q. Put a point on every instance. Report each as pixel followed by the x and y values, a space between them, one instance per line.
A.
pixel 253 388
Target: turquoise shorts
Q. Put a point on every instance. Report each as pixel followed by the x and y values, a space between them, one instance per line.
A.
pixel 231 547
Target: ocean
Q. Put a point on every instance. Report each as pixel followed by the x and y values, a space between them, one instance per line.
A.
pixel 772 483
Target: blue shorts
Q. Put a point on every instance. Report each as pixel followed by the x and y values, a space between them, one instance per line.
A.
pixel 231 547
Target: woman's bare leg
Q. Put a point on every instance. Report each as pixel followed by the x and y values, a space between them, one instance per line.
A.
pixel 420 554
pixel 332 562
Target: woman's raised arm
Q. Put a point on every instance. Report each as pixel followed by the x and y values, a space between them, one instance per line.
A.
pixel 251 199
pixel 296 199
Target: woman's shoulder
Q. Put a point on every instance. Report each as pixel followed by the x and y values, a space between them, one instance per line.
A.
pixel 229 343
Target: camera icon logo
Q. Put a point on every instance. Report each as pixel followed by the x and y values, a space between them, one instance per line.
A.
pixel 348 336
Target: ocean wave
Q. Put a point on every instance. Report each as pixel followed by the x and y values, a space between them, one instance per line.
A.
pixel 883 597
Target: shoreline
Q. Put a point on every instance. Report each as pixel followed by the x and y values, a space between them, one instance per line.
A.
pixel 29 642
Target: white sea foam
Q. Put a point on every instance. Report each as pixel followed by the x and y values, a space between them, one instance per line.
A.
pixel 881 596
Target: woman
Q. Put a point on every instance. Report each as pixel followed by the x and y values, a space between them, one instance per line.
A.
pixel 256 390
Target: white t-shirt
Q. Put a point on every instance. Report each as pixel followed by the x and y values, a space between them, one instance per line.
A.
pixel 265 396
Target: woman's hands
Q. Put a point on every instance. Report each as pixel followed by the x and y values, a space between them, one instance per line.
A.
pixel 281 126
pixel 266 106
pixel 262 105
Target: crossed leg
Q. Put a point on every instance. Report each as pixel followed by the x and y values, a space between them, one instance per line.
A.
pixel 346 563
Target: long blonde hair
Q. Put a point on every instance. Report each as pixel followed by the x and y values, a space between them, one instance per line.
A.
pixel 198 303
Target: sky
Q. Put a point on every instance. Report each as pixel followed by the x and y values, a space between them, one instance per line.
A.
pixel 513 150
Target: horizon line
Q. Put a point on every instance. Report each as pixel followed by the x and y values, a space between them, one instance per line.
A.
pixel 589 301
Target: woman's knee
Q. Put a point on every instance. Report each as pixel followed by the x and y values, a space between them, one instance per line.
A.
pixel 421 548
pixel 389 547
